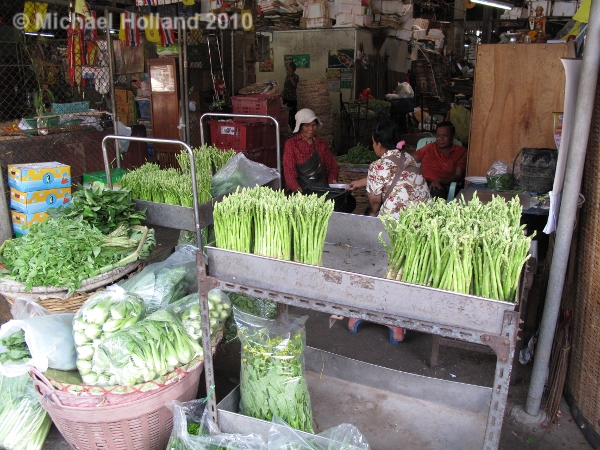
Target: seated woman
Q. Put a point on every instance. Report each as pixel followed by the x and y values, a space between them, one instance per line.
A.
pixel 393 182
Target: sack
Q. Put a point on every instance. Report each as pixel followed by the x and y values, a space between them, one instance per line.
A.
pixel 165 282
pixel 500 176
pixel 240 172
pixel 191 431
pixel 272 378
pixel 534 172
pixel 342 437
pixel 49 339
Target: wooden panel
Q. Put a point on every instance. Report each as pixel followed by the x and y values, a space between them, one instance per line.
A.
pixel 165 106
pixel 517 88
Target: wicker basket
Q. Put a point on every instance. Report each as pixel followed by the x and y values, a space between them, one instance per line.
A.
pixel 142 424
pixel 353 172
pixel 57 305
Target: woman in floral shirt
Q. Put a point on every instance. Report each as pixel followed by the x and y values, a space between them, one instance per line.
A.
pixel 411 187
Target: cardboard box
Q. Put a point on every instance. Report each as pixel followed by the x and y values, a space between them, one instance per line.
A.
pixel 362 20
pixel 22 221
pixel 39 176
pixel 38 201
pixel 347 8
pixel 321 22
pixel 341 19
pixel 115 176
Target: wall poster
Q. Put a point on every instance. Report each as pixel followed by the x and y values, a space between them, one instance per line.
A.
pixel 301 61
pixel 347 77
pixel 340 59
pixel 333 77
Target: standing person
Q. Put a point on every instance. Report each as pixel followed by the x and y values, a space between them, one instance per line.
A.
pixel 289 91
pixel 442 162
pixel 307 159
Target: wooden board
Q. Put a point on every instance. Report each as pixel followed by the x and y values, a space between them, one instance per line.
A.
pixel 517 88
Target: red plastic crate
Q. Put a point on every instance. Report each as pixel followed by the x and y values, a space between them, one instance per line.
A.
pixel 239 136
pixel 268 136
pixel 266 156
pixel 259 104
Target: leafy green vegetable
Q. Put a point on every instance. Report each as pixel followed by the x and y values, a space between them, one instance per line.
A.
pixel 63 252
pixel 501 182
pixel 359 154
pixel 272 371
pixel 255 306
pixel 102 208
pixel 16 348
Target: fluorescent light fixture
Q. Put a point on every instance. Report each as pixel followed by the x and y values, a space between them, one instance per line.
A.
pixel 46 35
pixel 495 3
pixel 31 34
pixel 114 31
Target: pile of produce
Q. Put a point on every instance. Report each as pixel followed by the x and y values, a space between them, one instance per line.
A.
pixel 267 223
pixel 371 108
pixel 255 306
pixel 359 154
pixel 174 186
pixel 472 248
pixel 272 379
pixel 64 252
pixel 160 287
pixel 149 349
pixel 102 315
pixel 24 424
pixel 16 348
pixel 102 208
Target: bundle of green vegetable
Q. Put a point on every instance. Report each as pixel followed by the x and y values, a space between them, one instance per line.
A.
pixel 102 315
pixel 255 306
pixel 267 223
pixel 151 348
pixel 16 348
pixel 174 186
pixel 102 208
pixel 24 424
pixel 188 311
pixel 469 248
pixel 501 181
pixel 359 154
pixel 63 252
pixel 272 380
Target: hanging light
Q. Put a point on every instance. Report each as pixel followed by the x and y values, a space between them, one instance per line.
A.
pixel 495 3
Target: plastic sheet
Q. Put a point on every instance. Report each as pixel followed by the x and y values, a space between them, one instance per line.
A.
pixel 162 283
pixel 24 308
pixel 240 172
pixel 273 379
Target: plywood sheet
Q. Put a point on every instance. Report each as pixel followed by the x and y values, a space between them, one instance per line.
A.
pixel 517 88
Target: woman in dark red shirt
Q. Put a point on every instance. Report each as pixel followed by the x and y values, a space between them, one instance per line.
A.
pixel 307 159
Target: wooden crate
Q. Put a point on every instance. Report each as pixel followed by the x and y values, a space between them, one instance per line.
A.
pixel 353 172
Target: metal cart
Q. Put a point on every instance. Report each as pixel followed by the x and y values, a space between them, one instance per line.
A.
pixel 442 414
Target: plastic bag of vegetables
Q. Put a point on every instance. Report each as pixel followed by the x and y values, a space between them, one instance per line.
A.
pixel 342 437
pixel 162 283
pixel 255 306
pixel 40 341
pixel 272 379
pixel 24 424
pixel 187 310
pixel 145 351
pixel 102 315
pixel 190 431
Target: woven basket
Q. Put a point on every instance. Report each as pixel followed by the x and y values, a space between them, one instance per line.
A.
pixel 584 367
pixel 57 305
pixel 265 87
pixel 353 172
pixel 143 423
pixel 314 94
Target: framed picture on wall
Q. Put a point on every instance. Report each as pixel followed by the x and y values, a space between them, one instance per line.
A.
pixel 341 59
pixel 301 61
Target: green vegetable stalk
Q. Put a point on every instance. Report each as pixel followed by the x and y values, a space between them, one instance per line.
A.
pixel 272 380
pixel 468 248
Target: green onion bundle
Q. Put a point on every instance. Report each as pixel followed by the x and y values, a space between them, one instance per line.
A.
pixel 267 223
pixel 468 248
pixel 173 186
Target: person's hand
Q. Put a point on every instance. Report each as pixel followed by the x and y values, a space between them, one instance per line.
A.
pixel 352 186
pixel 435 184
pixel 357 184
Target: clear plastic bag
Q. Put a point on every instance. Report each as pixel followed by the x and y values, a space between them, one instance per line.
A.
pixel 24 308
pixel 165 282
pixel 191 431
pixel 256 306
pixel 151 348
pixel 500 176
pixel 49 339
pixel 240 172
pixel 102 315
pixel 342 437
pixel 405 90
pixel 272 378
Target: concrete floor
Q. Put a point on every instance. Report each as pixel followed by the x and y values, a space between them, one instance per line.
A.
pixel 371 344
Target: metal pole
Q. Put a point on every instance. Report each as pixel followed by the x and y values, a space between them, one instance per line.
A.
pixel 111 83
pixel 250 116
pixel 186 90
pixel 184 107
pixel 568 209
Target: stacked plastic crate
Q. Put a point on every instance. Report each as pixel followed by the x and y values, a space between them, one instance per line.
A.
pixel 34 188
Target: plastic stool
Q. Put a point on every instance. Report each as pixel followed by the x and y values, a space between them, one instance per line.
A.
pixel 396 333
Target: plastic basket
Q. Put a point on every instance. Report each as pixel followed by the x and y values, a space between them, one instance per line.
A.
pixel 141 424
pixel 266 156
pixel 71 108
pixel 259 104
pixel 239 136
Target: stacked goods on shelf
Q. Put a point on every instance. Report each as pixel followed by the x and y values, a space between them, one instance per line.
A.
pixel 351 12
pixel 115 177
pixel 34 188
pixel 472 248
pixel 314 94
pixel 173 186
pixel 126 110
pixel 267 223
pixel 97 233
